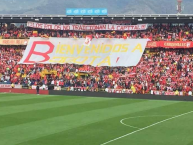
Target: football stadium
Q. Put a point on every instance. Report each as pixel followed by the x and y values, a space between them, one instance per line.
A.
pixel 89 77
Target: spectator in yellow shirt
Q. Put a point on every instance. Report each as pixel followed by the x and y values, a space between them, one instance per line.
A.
pixel 133 89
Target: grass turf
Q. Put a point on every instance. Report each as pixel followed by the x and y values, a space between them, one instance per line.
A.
pixel 67 120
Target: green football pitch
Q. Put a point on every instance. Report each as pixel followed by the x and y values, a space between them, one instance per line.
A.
pixel 71 120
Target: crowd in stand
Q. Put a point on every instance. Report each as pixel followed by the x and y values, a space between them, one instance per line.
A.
pixel 154 33
pixel 158 69
pixel 161 70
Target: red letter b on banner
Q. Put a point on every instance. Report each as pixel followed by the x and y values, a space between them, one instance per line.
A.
pixel 43 54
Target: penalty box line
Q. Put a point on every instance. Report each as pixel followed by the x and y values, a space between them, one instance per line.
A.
pixel 146 127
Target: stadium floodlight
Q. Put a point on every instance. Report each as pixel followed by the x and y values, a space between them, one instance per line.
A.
pixel 103 18
pixel 166 17
pixel 71 17
pixel 140 19
pixel 155 18
pixel 20 17
pixel 92 18
pixel 123 17
pixel 31 17
pixel 190 17
pixel 133 18
pixel 41 18
pixel 61 18
pixel 51 18
pixel 11 18
pixel 36 19
pixel 81 18
pixel 178 18
pixel 112 18
pixel 1 17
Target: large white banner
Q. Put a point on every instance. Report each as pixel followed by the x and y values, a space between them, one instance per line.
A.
pixel 101 52
pixel 79 27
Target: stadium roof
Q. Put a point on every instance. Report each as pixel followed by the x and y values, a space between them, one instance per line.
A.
pixel 135 18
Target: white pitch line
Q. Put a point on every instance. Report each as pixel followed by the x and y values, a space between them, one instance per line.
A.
pixel 127 124
pixel 121 121
pixel 146 127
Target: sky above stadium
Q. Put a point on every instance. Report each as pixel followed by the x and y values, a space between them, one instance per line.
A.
pixel 113 6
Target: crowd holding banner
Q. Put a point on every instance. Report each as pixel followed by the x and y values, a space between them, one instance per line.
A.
pixel 159 71
pixel 80 27
pixel 164 70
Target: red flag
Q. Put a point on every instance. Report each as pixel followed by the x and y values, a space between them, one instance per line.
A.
pixel 97 36
pixel 88 40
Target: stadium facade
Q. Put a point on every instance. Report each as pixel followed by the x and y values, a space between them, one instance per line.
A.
pixel 132 19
